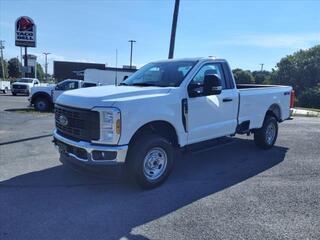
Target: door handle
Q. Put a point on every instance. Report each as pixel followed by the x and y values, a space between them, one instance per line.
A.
pixel 227 100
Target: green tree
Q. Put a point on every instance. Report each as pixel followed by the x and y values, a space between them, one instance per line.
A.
pixel 14 68
pixel 242 76
pixel 262 77
pixel 5 64
pixel 300 70
pixel 40 73
pixel 310 98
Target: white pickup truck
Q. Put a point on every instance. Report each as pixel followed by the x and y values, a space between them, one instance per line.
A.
pixel 164 106
pixel 23 85
pixel 4 86
pixel 43 97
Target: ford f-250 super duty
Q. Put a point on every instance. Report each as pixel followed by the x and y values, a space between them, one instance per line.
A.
pixel 44 97
pixel 164 106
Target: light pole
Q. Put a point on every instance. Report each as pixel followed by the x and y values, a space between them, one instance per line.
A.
pixel 2 63
pixel 46 64
pixel 131 47
pixel 261 64
pixel 174 28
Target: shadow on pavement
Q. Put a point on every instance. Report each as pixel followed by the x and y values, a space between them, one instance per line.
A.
pixel 58 203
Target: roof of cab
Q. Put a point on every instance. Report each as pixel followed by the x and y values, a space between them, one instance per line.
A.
pixel 197 59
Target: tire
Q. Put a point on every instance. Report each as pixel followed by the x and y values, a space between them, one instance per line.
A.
pixel 266 136
pixel 41 104
pixel 150 160
pixel 5 90
pixel 14 94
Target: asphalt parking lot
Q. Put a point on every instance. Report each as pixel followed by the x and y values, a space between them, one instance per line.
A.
pixel 235 191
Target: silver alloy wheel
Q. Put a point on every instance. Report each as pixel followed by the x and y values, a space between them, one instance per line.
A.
pixel 155 163
pixel 270 133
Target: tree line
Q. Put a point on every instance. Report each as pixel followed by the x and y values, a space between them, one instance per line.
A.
pixel 12 69
pixel 301 70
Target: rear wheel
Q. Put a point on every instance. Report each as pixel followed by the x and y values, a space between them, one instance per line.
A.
pixel 5 90
pixel 150 160
pixel 266 136
pixel 41 104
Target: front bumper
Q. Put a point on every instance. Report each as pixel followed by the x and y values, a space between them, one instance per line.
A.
pixel 24 91
pixel 88 151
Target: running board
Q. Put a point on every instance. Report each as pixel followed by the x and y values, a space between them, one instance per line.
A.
pixel 207 145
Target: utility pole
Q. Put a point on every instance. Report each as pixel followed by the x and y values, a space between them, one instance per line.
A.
pixel 2 63
pixel 46 64
pixel 261 64
pixel 116 80
pixel 131 44
pixel 174 28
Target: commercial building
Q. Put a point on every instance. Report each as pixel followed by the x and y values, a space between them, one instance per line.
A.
pixel 75 70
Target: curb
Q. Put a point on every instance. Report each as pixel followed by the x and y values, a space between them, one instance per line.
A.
pixel 305 113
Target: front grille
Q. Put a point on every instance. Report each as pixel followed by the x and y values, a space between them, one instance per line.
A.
pixel 19 86
pixel 78 124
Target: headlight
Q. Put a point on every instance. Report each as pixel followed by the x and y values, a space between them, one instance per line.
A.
pixel 110 125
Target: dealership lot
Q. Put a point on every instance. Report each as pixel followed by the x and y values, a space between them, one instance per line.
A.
pixel 235 191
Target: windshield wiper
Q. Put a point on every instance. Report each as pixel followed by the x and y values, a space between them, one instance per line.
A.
pixel 123 84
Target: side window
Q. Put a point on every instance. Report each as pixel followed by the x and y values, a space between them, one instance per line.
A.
pixel 69 85
pixel 87 84
pixel 211 68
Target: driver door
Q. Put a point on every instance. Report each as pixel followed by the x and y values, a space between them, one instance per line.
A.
pixel 64 86
pixel 215 115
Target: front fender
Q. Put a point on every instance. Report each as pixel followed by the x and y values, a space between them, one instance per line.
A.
pixel 133 118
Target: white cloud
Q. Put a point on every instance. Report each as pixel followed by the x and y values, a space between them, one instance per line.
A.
pixel 296 41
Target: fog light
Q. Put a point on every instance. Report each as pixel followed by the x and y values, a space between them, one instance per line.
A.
pixel 103 155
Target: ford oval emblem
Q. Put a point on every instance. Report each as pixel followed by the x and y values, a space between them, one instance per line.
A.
pixel 63 120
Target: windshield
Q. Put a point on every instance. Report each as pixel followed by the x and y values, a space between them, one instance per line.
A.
pixel 162 74
pixel 25 80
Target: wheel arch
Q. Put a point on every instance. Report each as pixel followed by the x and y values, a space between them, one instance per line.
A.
pixel 41 94
pixel 160 127
pixel 274 110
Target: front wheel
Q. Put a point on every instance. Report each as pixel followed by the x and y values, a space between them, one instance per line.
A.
pixel 41 104
pixel 14 94
pixel 266 136
pixel 150 160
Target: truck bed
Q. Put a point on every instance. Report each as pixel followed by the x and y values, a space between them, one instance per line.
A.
pixel 255 100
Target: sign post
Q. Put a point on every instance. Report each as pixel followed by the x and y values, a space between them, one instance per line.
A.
pixel 25 31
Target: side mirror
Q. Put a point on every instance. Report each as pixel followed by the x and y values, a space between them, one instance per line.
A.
pixel 211 85
pixel 57 87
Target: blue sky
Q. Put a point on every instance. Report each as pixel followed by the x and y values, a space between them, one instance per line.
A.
pixel 246 33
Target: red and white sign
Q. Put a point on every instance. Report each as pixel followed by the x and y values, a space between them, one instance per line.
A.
pixel 25 30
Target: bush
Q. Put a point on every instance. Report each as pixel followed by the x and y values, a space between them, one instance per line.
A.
pixel 310 98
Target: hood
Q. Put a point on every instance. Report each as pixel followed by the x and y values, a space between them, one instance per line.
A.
pixel 107 95
pixel 47 88
pixel 22 83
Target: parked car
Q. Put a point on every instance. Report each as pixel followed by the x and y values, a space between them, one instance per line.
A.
pixel 44 97
pixel 23 85
pixel 4 86
pixel 163 107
